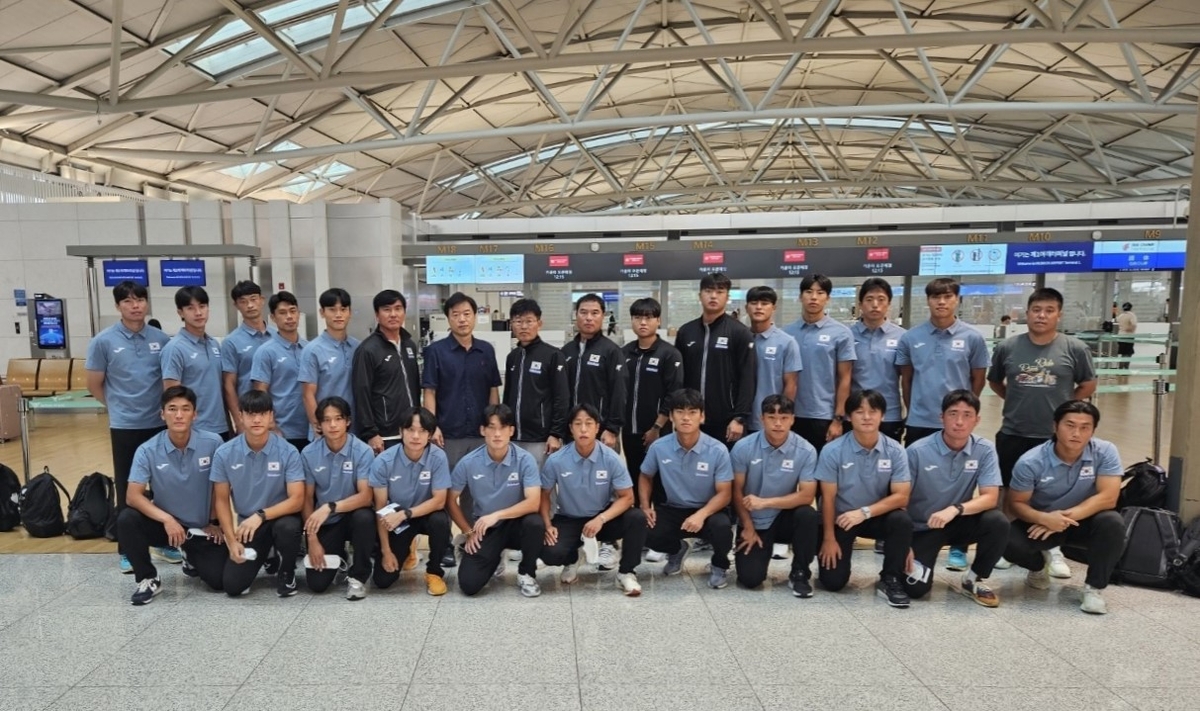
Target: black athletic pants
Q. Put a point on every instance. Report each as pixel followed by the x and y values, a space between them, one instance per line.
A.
pixel 895 430
pixel 1102 534
pixel 635 453
pixel 894 527
pixel 812 431
pixel 125 444
pixel 437 526
pixel 140 532
pixel 987 530
pixel 667 536
pixel 629 527
pixel 526 533
pixel 912 434
pixel 800 526
pixel 283 534
pixel 1009 449
pixel 358 527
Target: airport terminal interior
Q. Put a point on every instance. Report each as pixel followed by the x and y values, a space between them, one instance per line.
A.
pixel 578 152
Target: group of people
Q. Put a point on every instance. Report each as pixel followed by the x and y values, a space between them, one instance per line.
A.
pixel 742 440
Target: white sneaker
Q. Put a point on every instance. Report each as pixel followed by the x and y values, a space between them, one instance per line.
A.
pixel 629 585
pixel 515 556
pixel 591 550
pixel 607 558
pixel 1038 579
pixel 779 551
pixel 528 585
pixel 570 572
pixel 1093 601
pixel 355 590
pixel 1003 564
pixel 500 568
pixel 655 556
pixel 1056 563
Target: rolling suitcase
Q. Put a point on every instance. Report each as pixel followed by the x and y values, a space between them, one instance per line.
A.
pixel 10 412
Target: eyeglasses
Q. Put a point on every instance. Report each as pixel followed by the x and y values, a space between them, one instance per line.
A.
pixel 525 322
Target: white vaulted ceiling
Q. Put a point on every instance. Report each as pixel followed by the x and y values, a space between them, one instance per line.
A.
pixel 497 108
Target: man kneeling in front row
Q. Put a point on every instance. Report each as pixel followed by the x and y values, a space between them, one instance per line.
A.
pixel 774 484
pixel 175 463
pixel 1063 492
pixel 595 501
pixel 946 468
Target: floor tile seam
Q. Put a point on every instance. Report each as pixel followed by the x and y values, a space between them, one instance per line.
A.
pixel 729 647
pixel 417 662
pixel 282 634
pixel 575 647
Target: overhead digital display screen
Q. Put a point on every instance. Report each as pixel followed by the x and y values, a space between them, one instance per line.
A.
pixel 963 259
pixel 183 272
pixel 499 269
pixel 1050 257
pixel 119 270
pixel 449 270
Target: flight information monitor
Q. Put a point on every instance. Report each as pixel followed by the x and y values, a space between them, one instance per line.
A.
pixel 963 259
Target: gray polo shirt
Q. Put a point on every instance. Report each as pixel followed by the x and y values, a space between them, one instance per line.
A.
pixel 178 477
pixel 772 472
pixel 777 353
pixel 132 374
pixel 586 485
pixel 410 483
pixel 1057 485
pixel 689 476
pixel 257 480
pixel 942 477
pixel 863 476
pixel 196 363
pixel 823 345
pixel 495 485
pixel 327 363
pixel 237 353
pixel 875 368
pixel 335 475
pixel 277 363
pixel 942 360
pixel 1037 380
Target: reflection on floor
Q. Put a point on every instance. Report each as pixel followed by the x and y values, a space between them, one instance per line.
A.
pixel 71 640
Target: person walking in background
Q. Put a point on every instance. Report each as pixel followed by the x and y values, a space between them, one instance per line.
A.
pixel 1126 325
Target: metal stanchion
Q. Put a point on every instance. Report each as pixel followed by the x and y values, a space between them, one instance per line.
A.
pixel 23 407
pixel 1161 387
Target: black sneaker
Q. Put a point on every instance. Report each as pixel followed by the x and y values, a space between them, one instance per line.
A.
pixel 800 585
pixel 890 588
pixel 188 569
pixel 701 545
pixel 146 590
pixel 448 559
pixel 879 547
pixel 285 584
pixel 272 565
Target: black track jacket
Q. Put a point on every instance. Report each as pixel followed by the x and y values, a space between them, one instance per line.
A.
pixel 652 375
pixel 535 387
pixel 718 360
pixel 385 383
pixel 596 375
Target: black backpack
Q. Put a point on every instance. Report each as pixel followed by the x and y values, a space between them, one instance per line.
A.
pixel 93 508
pixel 1151 547
pixel 41 509
pixel 1143 484
pixel 10 499
pixel 1186 568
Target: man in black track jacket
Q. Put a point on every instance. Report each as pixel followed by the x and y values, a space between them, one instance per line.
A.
pixel 596 369
pixel 718 360
pixel 653 371
pixel 535 386
pixel 385 375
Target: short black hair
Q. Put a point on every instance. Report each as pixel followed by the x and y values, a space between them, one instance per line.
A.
pixel 646 307
pixel 591 296
pixel 255 402
pixel 762 293
pixel 178 391
pixel 942 285
pixel 280 299
pixel 871 398
pixel 1077 407
pixel 501 412
pixel 818 280
pixel 336 296
pixel 154 322
pixel 954 397
pixel 1006 319
pixel 244 288
pixel 520 307
pixel 1045 294
pixel 685 399
pixel 715 280
pixel 874 284
pixel 125 289
pixel 456 299
pixel 585 408
pixel 778 404
pixel 1127 306
pixel 337 403
pixel 187 294
pixel 426 419
pixel 387 297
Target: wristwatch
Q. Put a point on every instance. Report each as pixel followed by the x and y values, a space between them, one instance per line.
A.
pixel 960 509
pixel 332 507
pixel 261 514
pixel 866 511
pixel 407 514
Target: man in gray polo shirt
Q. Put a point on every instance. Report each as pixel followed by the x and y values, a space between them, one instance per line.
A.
pixel 506 490
pixel 865 485
pixel 193 358
pixel 239 346
pixel 337 500
pixel 774 486
pixel 595 501
pixel 175 463
pixel 263 475
pixel 777 353
pixel 946 469
pixel 827 355
pixel 698 480
pixel 1065 491
pixel 326 363
pixel 876 341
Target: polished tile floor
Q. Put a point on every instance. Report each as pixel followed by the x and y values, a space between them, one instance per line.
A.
pixel 71 640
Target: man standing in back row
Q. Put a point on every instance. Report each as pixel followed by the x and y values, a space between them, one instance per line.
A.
pixel 385 374
pixel 876 342
pixel 536 386
pixel 239 347
pixel 827 362
pixel 596 369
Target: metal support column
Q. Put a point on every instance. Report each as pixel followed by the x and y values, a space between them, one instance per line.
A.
pixel 906 303
pixel 93 291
